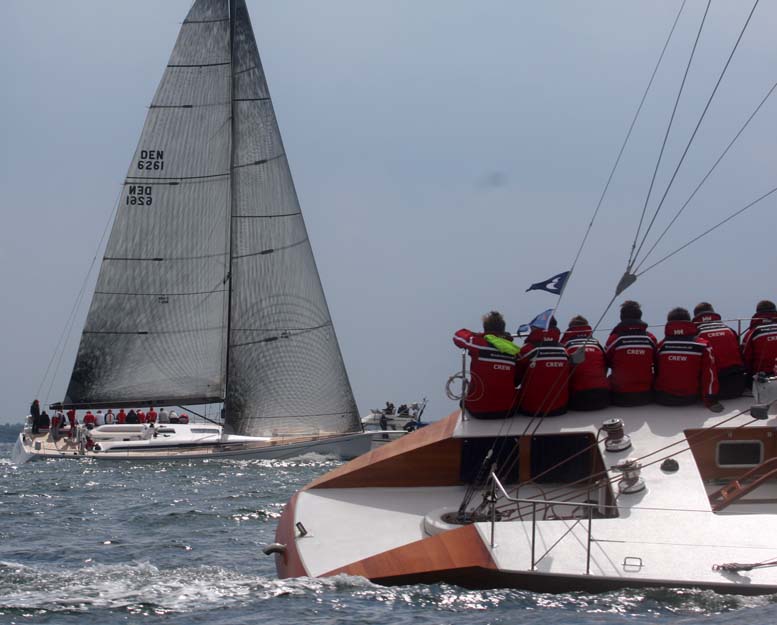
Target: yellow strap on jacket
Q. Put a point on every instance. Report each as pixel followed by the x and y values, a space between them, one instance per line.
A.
pixel 503 345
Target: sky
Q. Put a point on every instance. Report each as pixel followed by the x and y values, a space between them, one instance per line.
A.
pixel 447 154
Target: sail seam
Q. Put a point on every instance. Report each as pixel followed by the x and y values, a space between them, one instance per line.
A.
pixel 159 294
pixel 223 19
pixel 272 249
pixel 158 259
pixel 261 161
pixel 199 64
pixel 224 175
pixel 283 335
pixel 134 332
pixel 266 216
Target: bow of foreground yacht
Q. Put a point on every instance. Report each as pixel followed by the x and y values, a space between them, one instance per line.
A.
pixel 623 497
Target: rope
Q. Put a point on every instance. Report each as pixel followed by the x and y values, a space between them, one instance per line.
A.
pixel 618 158
pixel 707 175
pixel 708 231
pixel 632 254
pixel 698 124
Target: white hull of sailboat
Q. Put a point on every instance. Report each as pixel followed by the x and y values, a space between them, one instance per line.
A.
pixel 345 446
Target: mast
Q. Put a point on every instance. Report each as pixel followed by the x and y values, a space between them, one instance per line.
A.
pixel 232 14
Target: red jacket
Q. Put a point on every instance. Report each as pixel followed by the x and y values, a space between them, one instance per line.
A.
pixel 121 416
pixel 71 416
pixel 543 370
pixel 89 418
pixel 491 392
pixel 724 342
pixel 759 344
pixel 592 372
pixel 630 353
pixel 685 366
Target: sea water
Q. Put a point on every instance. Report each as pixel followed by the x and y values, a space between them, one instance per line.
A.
pixel 169 542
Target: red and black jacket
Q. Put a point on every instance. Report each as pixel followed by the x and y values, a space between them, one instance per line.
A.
pixel 543 371
pixel 724 342
pixel 591 374
pixel 685 366
pixel 630 351
pixel 759 344
pixel 491 391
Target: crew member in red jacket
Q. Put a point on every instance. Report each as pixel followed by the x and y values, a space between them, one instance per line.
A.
pixel 685 364
pixel 543 371
pixel 71 417
pixel 589 388
pixel 759 344
pixel 89 420
pixel 725 347
pixel 630 353
pixel 121 416
pixel 491 391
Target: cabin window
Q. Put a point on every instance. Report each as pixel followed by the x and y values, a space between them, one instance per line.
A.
pixel 739 453
pixel 204 430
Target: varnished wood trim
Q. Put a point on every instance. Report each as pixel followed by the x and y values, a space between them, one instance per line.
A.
pixel 461 548
pixel 289 563
pixel 428 456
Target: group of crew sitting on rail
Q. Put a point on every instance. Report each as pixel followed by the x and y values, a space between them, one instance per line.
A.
pixel 61 420
pixel 698 359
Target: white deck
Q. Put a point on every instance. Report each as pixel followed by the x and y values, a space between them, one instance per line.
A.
pixel 669 528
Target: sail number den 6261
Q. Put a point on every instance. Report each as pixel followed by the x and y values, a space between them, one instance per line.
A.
pixel 151 160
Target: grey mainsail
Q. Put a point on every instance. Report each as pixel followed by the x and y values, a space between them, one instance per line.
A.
pixel 208 290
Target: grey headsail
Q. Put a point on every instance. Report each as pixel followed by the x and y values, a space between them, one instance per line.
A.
pixel 286 372
pixel 156 329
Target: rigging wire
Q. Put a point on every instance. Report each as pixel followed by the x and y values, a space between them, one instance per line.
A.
pixel 620 154
pixel 708 231
pixel 632 254
pixel 707 175
pixel 695 130
pixel 70 321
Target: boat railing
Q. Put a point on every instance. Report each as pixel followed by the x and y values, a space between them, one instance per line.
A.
pixel 496 485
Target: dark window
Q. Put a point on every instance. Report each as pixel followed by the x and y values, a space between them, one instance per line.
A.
pixel 740 453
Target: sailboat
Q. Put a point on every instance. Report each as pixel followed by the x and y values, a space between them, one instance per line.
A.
pixel 208 292
pixel 622 497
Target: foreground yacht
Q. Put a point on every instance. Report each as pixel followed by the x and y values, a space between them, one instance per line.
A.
pixel 623 497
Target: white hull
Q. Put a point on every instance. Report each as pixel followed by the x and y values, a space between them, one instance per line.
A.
pixel 183 446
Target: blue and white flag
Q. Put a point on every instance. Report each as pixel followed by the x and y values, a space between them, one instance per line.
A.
pixel 551 285
pixel 540 321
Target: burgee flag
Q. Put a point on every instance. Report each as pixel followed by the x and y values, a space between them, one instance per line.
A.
pixel 540 321
pixel 551 285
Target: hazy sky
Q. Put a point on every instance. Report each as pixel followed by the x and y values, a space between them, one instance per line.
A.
pixel 447 154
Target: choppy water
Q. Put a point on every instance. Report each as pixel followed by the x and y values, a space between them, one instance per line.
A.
pixel 181 543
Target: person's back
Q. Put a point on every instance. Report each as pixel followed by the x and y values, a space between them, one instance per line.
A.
pixel 151 415
pixel 89 420
pixel 759 344
pixel 121 416
pixel 164 416
pixel 99 418
pixel 491 391
pixel 630 354
pixel 132 417
pixel 110 418
pixel 725 347
pixel 685 364
pixel 141 416
pixel 589 388
pixel 543 371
